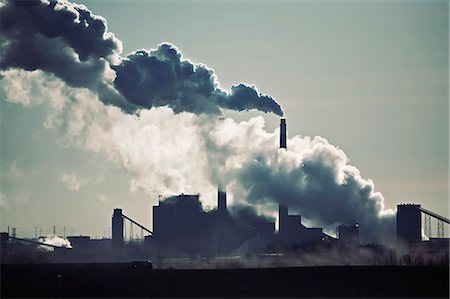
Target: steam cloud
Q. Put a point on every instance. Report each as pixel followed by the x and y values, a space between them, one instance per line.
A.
pixel 312 177
pixel 161 77
pixel 55 241
pixel 67 40
pixel 198 151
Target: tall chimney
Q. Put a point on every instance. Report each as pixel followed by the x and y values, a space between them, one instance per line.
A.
pixel 283 133
pixel 221 201
pixel 117 228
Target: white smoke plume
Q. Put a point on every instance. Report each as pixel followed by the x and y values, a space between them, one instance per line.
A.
pixel 55 241
pixel 69 41
pixel 167 153
pixel 155 114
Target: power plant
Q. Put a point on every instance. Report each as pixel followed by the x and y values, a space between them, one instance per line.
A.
pixel 291 229
pixel 183 229
pixel 186 236
pixel 100 136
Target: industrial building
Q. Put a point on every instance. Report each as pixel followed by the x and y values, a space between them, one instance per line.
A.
pixel 409 224
pixel 180 224
pixel 182 227
pixel 348 234
pixel 416 239
pixel 291 229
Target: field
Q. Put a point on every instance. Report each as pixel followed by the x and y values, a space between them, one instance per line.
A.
pixel 128 280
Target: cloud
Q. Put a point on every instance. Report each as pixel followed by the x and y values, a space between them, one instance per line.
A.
pixel 55 241
pixel 311 177
pixel 10 195
pixel 135 142
pixel 102 197
pixel 73 24
pixel 61 38
pixel 246 97
pixel 31 89
pixel 151 148
pixel 12 172
pixel 5 202
pixel 20 196
pixel 67 40
pixel 163 152
pixel 72 182
pixel 177 144
pixel 161 77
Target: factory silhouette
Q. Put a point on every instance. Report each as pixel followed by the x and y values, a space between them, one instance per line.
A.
pixel 183 231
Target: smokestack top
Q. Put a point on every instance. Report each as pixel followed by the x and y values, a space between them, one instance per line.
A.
pixel 117 212
pixel 283 133
pixel 221 200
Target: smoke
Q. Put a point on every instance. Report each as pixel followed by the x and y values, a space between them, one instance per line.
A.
pixel 67 40
pixel 72 182
pixel 55 241
pixel 311 177
pixel 162 77
pixel 315 255
pixel 63 39
pixel 135 142
pixel 249 215
pixel 177 144
pixel 195 153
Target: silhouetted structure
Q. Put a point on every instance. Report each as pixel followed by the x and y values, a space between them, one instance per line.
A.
pixel 221 202
pixel 3 246
pixel 182 227
pixel 80 242
pixel 117 228
pixel 441 220
pixel 427 250
pixel 348 234
pixel 291 229
pixel 283 133
pixel 409 224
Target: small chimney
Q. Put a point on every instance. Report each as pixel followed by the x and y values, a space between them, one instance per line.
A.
pixel 283 133
pixel 282 219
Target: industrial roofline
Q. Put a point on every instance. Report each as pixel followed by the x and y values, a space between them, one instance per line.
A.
pixel 439 217
pixel 165 196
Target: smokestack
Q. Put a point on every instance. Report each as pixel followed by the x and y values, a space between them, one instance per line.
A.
pixel 221 201
pixel 282 219
pixel 283 133
pixel 117 228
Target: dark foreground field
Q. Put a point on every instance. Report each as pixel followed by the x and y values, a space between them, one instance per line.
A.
pixel 126 280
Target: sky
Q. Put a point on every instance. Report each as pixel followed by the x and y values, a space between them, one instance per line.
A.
pixel 370 77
